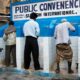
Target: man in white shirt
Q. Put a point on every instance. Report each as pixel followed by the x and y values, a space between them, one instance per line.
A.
pixel 63 48
pixel 31 32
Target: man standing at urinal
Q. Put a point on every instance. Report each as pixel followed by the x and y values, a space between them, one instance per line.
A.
pixel 63 48
pixel 31 32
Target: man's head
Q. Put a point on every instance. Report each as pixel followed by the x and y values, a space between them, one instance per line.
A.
pixel 11 23
pixel 33 16
pixel 8 20
pixel 64 20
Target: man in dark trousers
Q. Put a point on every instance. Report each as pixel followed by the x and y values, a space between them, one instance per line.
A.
pixel 31 32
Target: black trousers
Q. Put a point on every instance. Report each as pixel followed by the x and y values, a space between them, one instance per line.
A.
pixel 10 51
pixel 31 45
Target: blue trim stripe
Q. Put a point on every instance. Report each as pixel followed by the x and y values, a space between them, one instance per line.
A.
pixel 47 26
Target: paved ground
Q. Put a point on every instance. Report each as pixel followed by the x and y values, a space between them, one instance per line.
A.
pixel 42 76
pixel 16 74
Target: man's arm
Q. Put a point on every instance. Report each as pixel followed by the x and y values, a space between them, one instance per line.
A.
pixel 71 27
pixel 55 33
pixel 24 29
pixel 9 31
pixel 37 30
pixel 5 37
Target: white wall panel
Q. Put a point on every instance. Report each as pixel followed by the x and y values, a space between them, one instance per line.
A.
pixel 47 50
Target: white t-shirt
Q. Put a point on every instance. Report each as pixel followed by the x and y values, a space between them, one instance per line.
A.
pixel 61 33
pixel 31 28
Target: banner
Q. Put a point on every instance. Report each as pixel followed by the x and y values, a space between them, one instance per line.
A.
pixel 46 9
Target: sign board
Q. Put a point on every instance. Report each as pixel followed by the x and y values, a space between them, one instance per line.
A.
pixel 47 9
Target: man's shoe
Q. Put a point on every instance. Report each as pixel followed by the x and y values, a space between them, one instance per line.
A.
pixel 1 49
pixel 70 71
pixel 77 66
pixel 57 71
pixel 39 69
